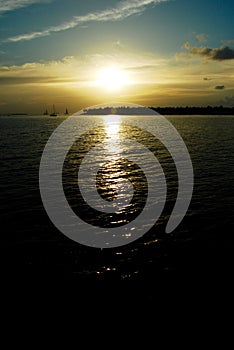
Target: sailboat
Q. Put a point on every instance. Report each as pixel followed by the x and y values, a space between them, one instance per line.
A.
pixel 66 112
pixel 46 112
pixel 53 114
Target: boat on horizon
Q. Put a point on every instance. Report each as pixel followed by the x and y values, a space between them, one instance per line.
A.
pixel 53 114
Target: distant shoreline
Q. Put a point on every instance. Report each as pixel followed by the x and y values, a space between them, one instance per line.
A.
pixel 12 114
pixel 141 110
pixel 219 110
pixel 209 110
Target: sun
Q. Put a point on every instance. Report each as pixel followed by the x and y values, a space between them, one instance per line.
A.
pixel 112 78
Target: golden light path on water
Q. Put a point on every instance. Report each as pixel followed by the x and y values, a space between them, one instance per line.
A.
pixel 113 172
pixel 112 125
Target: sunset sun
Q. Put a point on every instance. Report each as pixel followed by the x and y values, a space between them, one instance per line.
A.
pixel 112 78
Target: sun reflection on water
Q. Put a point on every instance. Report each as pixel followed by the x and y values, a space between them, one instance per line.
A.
pixel 113 175
pixel 112 124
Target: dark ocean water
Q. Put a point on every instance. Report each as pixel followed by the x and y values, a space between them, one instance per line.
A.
pixel 34 250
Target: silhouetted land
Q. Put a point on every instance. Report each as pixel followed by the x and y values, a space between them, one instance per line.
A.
pixel 209 110
pixel 129 110
pixel 122 110
pixel 126 110
pixel 10 114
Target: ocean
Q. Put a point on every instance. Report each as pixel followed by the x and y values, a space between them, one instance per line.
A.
pixel 33 249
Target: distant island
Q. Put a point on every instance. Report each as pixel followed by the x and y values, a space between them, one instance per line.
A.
pixel 121 110
pixel 127 110
pixel 141 110
pixel 209 110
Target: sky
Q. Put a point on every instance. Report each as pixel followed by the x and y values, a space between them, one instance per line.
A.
pixel 76 54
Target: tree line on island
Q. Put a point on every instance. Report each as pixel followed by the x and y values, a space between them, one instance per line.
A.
pixel 209 110
pixel 141 110
pixel 132 110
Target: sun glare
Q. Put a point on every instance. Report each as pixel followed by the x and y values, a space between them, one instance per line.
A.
pixel 112 78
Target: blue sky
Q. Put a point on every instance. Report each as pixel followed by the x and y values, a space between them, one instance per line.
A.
pixel 55 48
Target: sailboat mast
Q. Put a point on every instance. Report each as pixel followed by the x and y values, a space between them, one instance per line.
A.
pixel 53 114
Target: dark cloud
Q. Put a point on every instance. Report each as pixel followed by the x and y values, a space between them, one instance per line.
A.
pixel 218 54
pixel 219 87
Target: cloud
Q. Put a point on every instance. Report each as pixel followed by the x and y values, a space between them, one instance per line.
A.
pixel 11 5
pixel 182 56
pixel 201 38
pixel 40 70
pixel 143 68
pixel 228 42
pixel 25 80
pixel 219 87
pixel 217 54
pixel 186 45
pixel 86 69
pixel 124 9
